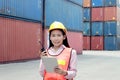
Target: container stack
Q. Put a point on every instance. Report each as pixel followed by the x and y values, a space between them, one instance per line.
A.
pixel 20 29
pixel 97 24
pixel 111 24
pixel 86 24
pixel 102 17
pixel 23 23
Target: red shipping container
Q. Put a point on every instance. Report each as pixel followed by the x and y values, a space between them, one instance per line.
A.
pixel 19 39
pixel 75 40
pixel 118 14
pixel 97 14
pixel 86 3
pixel 97 43
pixel 110 13
pixel 86 42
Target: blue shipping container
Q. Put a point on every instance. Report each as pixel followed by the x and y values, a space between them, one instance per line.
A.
pixel 79 2
pixel 110 2
pixel 110 28
pixel 86 28
pixel 97 28
pixel 86 14
pixel 118 42
pixel 118 28
pixel 97 3
pixel 110 43
pixel 66 12
pixel 29 9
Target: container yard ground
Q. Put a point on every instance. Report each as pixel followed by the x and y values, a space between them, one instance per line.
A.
pixel 92 65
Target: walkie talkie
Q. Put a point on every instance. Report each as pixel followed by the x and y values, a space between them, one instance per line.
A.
pixel 42 49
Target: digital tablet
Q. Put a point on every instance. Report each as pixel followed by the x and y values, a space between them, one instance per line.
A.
pixel 50 63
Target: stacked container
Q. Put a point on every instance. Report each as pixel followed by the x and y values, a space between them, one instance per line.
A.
pixel 86 24
pixel 102 17
pixel 97 24
pixel 20 29
pixel 111 24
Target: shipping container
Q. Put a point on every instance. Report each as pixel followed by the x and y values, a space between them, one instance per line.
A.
pixel 29 9
pixel 118 14
pixel 97 3
pixel 110 13
pixel 118 28
pixel 96 42
pixel 110 43
pixel 79 2
pixel 19 40
pixel 69 14
pixel 97 14
pixel 86 3
pixel 118 42
pixel 75 40
pixel 86 14
pixel 97 28
pixel 86 42
pixel 86 28
pixel 110 28
pixel 110 2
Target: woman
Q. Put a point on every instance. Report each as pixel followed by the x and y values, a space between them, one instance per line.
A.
pixel 59 48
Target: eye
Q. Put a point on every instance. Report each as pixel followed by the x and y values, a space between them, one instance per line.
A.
pixel 59 35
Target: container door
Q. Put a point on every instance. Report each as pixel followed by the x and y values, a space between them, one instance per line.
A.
pixel 86 28
pixel 110 28
pixel 110 43
pixel 97 28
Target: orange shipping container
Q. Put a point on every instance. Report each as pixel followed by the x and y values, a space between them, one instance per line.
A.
pixel 110 13
pixel 86 3
pixel 19 39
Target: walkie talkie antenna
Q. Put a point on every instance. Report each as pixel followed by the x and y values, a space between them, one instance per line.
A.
pixel 42 49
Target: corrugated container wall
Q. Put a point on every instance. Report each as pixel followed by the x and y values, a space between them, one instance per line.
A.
pixel 79 2
pixel 110 2
pixel 110 43
pixel 110 28
pixel 110 13
pixel 66 12
pixel 19 39
pixel 97 43
pixel 97 3
pixel 118 42
pixel 29 9
pixel 86 3
pixel 86 14
pixel 97 28
pixel 97 14
pixel 86 28
pixel 86 42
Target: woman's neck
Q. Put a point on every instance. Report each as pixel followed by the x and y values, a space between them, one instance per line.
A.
pixel 56 48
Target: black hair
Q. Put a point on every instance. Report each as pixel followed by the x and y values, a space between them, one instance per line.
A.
pixel 65 41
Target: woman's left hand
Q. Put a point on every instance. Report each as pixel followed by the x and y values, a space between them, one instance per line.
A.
pixel 60 71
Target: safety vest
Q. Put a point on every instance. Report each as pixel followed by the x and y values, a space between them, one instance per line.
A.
pixel 63 62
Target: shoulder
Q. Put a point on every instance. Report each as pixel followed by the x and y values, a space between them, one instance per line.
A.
pixel 73 51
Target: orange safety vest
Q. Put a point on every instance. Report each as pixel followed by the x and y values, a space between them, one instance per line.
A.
pixel 63 62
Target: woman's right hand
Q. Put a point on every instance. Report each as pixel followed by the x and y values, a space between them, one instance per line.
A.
pixel 43 53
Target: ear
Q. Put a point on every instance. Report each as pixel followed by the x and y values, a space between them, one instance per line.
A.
pixel 64 37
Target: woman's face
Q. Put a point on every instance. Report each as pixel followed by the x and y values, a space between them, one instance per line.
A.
pixel 57 38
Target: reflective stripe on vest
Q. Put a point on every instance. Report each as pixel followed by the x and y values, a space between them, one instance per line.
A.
pixel 63 62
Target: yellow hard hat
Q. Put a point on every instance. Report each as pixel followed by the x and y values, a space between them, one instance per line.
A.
pixel 57 25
